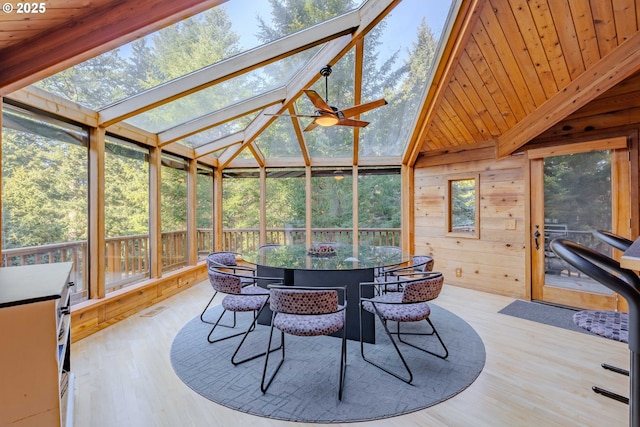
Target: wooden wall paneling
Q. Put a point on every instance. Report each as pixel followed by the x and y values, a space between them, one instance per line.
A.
pixel 475 80
pixel 605 25
pixel 458 101
pixel 467 95
pixel 520 67
pixel 455 120
pixel 513 95
pixel 567 37
pixel 550 42
pixel 624 27
pixel 581 15
pixel 502 204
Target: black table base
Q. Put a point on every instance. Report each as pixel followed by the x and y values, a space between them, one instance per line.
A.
pixel 349 278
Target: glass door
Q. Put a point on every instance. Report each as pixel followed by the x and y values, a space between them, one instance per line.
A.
pixel 574 192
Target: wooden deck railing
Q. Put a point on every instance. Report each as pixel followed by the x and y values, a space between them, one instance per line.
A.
pixel 127 257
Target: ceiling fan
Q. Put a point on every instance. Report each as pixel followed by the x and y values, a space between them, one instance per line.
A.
pixel 328 115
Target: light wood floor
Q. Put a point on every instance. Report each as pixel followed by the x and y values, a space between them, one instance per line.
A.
pixel 535 375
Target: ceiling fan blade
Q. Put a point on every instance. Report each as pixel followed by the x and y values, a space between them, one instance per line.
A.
pixel 351 122
pixel 362 108
pixel 311 126
pixel 317 101
pixel 292 115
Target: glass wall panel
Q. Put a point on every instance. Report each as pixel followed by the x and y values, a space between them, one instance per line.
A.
pixel 173 212
pixel 241 209
pixel 332 205
pixel 286 206
pixel 126 213
pixel 45 193
pixel 204 210
pixel 379 207
pixel 398 60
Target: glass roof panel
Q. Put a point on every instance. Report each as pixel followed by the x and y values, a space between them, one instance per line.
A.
pixel 401 49
pixel 217 132
pixel 234 27
pixel 279 140
pixel 216 97
pixel 335 141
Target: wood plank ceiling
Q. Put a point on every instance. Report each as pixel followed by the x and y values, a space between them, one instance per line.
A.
pixel 525 65
pixel 512 69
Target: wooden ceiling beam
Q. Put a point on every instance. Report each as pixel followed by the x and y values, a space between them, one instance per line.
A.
pixel 99 31
pixel 230 68
pixel 619 64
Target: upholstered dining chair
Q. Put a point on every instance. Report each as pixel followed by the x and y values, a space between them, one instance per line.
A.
pixel 226 261
pixel 391 279
pixel 306 311
pixel 408 305
pixel 240 297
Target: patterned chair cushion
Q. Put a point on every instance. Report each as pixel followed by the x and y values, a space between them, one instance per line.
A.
pixel 221 258
pixel 293 301
pixel 225 283
pixel 422 290
pixel 252 298
pixel 309 325
pixel 423 263
pixel 609 324
pixel 396 310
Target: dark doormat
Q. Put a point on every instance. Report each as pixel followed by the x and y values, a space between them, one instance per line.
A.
pixel 548 314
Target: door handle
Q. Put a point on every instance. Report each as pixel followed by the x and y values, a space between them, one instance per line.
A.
pixel 536 235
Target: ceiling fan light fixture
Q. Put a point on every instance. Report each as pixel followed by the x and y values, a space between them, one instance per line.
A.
pixel 338 175
pixel 326 120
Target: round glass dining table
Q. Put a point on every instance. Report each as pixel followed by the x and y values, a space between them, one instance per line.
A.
pixel 329 265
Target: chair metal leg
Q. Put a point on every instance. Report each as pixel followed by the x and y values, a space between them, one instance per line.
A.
pixel 404 362
pixel 206 308
pixel 264 388
pixel 434 332
pixel 402 359
pixel 343 359
pixel 249 330
pixel 217 323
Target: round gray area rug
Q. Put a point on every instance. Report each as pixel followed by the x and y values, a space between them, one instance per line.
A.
pixel 305 389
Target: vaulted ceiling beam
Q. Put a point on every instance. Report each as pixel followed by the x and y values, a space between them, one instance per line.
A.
pixel 99 31
pixel 610 70
pixel 231 67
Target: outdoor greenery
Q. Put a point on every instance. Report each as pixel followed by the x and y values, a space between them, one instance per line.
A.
pixel 45 162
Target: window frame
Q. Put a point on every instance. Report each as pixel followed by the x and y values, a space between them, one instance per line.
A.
pixel 449 232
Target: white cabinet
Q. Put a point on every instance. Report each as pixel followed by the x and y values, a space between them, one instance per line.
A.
pixel 36 388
